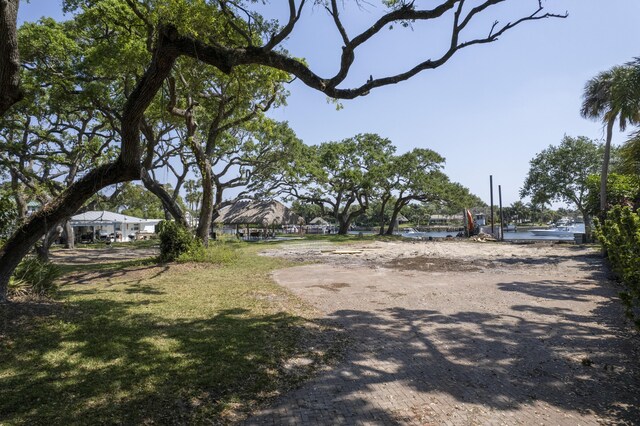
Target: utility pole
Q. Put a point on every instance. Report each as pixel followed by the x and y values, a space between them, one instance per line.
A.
pixel 491 192
pixel 501 215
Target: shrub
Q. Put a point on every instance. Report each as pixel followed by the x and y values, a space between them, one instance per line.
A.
pixel 34 277
pixel 620 239
pixel 622 190
pixel 218 253
pixel 178 243
pixel 174 240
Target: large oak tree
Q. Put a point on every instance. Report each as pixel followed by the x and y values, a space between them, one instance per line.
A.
pixel 561 173
pixel 223 34
pixel 341 177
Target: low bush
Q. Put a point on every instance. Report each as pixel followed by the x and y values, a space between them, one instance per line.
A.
pixel 179 244
pixel 218 252
pixel 34 277
pixel 175 240
pixel 620 238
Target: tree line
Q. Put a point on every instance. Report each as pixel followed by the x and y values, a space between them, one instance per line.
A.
pixel 111 94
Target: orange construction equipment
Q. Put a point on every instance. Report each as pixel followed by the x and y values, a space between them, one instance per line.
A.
pixel 470 225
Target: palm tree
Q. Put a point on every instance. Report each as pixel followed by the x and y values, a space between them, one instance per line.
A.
pixel 612 95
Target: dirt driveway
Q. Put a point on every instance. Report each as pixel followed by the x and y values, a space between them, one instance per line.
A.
pixel 464 334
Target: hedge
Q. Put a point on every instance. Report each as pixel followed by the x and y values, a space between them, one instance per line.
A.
pixel 620 238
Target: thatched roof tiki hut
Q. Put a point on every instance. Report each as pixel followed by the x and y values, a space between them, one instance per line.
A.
pixel 266 215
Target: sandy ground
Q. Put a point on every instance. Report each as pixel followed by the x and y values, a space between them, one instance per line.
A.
pixel 436 254
pixel 463 333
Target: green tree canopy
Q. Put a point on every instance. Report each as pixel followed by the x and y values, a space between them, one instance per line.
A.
pixel 135 200
pixel 561 173
pixel 416 176
pixel 341 177
pixel 622 189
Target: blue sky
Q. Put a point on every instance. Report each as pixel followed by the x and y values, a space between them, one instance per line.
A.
pixel 488 111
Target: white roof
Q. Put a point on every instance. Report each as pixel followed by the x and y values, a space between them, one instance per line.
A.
pixel 319 221
pixel 107 217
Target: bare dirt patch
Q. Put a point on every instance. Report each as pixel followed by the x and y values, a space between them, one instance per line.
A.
pixel 465 333
pixel 334 287
pixel 436 256
pixel 432 264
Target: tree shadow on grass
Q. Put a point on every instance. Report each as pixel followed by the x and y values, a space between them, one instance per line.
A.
pixel 570 361
pixel 102 361
pixel 134 273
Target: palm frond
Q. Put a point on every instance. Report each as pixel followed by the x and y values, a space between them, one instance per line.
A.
pixel 596 96
pixel 630 155
pixel 614 94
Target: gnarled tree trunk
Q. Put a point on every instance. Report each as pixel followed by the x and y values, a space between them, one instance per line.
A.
pixel 345 220
pixel 343 226
pixel 50 237
pixel 397 207
pixel 381 215
pixel 126 168
pixel 393 221
pixel 206 210
pixel 69 236
pixel 10 92
pixel 169 204
pixel 57 210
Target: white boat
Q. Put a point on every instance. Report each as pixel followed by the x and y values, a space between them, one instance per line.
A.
pixel 560 231
pixel 409 231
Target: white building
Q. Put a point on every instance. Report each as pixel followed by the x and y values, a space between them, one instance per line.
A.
pixel 32 207
pixel 109 225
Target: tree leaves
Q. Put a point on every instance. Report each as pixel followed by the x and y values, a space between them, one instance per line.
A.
pixel 560 173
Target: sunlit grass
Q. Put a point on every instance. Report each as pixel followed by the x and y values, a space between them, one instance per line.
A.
pixel 131 343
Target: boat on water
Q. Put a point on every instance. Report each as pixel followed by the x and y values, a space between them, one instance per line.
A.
pixel 559 231
pixel 409 231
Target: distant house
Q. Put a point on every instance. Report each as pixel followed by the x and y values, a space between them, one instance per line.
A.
pixel 32 207
pixel 445 219
pixel 320 226
pixel 319 221
pixel 402 219
pixel 263 216
pixel 108 225
pixel 191 219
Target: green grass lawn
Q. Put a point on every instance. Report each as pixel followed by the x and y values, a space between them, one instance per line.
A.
pixel 135 343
